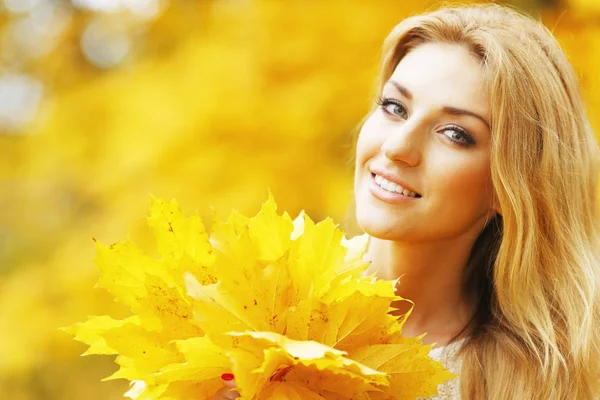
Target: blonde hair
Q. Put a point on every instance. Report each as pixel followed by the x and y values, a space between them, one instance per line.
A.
pixel 534 270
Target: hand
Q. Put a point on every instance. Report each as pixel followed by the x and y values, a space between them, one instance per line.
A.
pixel 226 393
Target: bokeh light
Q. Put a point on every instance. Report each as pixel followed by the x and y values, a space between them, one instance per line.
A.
pixel 211 102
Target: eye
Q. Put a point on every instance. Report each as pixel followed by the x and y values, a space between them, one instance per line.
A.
pixel 392 107
pixel 458 135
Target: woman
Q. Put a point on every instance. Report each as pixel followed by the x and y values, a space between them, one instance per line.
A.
pixel 476 180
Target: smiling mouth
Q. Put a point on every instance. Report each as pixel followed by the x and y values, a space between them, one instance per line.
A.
pixel 393 187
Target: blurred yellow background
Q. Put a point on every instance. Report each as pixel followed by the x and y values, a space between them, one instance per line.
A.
pixel 210 102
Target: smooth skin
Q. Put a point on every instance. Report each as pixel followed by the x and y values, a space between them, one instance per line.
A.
pixel 432 132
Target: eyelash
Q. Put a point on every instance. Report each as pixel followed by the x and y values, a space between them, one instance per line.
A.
pixel 383 102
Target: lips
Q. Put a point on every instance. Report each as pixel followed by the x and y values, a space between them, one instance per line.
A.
pixel 393 187
pixel 392 183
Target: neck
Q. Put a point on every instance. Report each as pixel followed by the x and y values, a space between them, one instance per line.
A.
pixel 431 276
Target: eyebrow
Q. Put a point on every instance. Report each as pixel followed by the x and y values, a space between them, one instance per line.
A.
pixel 405 92
pixel 460 111
pixel 448 110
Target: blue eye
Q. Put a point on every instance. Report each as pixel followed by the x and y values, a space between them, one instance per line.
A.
pixel 392 107
pixel 457 135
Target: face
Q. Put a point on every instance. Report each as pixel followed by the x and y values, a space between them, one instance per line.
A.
pixel 429 139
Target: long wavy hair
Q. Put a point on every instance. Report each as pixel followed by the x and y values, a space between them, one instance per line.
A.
pixel 535 268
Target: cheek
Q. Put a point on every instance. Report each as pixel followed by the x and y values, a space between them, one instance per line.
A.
pixel 368 143
pixel 464 184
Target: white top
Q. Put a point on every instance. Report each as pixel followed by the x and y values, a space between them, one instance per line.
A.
pixel 448 356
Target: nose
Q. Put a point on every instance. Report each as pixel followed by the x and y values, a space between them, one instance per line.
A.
pixel 404 144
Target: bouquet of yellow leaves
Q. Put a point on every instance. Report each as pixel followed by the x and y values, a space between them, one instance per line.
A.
pixel 282 304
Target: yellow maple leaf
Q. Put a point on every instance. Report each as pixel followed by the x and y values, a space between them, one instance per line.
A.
pixel 281 303
pixel 261 358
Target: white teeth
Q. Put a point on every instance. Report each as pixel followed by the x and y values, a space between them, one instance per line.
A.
pixel 393 187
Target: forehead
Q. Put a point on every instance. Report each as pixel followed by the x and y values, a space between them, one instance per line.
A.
pixel 443 74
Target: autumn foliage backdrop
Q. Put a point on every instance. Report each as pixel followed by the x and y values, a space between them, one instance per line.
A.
pixel 209 102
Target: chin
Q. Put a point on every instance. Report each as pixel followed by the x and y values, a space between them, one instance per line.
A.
pixel 378 226
pixel 388 224
pixel 373 220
